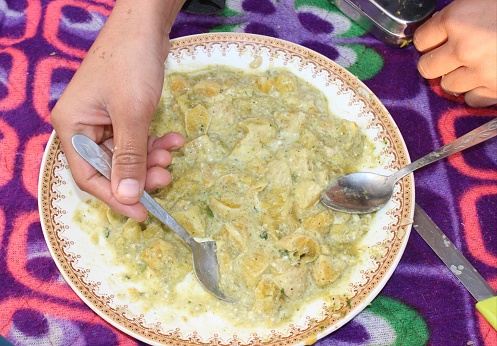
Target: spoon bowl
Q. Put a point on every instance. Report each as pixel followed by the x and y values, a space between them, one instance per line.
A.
pixel 205 263
pixel 366 192
pixel 362 192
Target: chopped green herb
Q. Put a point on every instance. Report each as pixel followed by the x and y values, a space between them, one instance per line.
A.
pixel 209 212
pixel 264 235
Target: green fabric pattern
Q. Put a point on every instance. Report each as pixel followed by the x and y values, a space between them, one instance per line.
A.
pixel 410 327
pixel 368 62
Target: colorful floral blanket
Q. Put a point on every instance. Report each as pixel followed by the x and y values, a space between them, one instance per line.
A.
pixel 42 43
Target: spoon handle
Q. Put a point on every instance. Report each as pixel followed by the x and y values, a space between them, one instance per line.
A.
pixel 478 135
pixel 102 162
pixel 159 212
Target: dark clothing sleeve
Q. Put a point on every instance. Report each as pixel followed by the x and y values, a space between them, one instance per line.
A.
pixel 204 6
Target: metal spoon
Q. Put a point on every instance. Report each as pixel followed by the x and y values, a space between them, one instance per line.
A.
pixel 204 256
pixel 366 192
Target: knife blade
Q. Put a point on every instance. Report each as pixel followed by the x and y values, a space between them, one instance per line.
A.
pixel 458 265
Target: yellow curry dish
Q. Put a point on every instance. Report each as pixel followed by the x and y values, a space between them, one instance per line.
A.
pixel 260 148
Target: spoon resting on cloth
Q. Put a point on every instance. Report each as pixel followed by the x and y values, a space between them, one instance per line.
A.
pixel 366 192
pixel 204 255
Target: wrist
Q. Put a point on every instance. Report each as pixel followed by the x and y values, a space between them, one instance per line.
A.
pixel 145 15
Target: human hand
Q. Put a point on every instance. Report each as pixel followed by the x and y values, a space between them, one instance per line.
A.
pixel 459 44
pixel 111 99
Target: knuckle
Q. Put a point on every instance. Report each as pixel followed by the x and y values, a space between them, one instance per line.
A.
pixel 464 54
pixel 451 17
pixel 128 160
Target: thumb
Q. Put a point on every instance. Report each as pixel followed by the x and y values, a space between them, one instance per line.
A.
pixel 129 162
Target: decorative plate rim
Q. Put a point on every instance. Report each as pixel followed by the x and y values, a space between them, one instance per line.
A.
pixel 400 213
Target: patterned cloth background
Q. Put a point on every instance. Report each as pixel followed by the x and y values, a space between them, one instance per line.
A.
pixel 42 43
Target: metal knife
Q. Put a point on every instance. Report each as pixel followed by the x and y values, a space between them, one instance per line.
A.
pixel 458 265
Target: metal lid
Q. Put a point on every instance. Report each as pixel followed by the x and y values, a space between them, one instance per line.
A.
pixel 392 21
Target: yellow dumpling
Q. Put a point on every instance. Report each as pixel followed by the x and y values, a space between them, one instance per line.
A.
pixel 290 121
pixel 293 282
pixel 131 230
pixel 307 193
pixel 229 196
pixel 326 269
pixel 285 83
pixel 253 265
pixel 201 146
pixel 257 133
pixel 197 121
pixel 268 297
pixel 265 83
pixel 275 201
pixel 300 247
pixel 320 222
pixel 192 220
pixel 263 129
pixel 207 87
pixel 237 237
pixel 113 217
pixel 308 138
pixel 179 84
pixel 159 256
pixel 279 173
pixel 299 159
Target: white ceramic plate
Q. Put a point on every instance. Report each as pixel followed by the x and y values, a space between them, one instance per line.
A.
pixel 85 266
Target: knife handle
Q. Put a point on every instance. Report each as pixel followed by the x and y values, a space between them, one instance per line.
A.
pixel 488 308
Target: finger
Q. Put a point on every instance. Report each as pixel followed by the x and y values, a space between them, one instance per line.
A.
pixel 170 141
pixel 430 34
pixel 100 187
pixel 157 177
pixel 129 161
pixel 480 97
pixel 85 176
pixel 92 182
pixel 438 62
pixel 459 81
pixel 159 157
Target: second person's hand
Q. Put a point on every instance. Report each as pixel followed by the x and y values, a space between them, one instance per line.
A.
pixel 459 44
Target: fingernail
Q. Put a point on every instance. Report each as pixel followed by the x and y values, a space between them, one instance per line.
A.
pixel 128 188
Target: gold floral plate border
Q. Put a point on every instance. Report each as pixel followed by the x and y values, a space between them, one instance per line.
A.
pixel 57 191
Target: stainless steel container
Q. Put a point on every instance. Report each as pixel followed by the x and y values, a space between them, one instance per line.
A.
pixel 390 21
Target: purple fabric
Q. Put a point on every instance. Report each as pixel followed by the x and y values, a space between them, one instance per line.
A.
pixel 41 44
